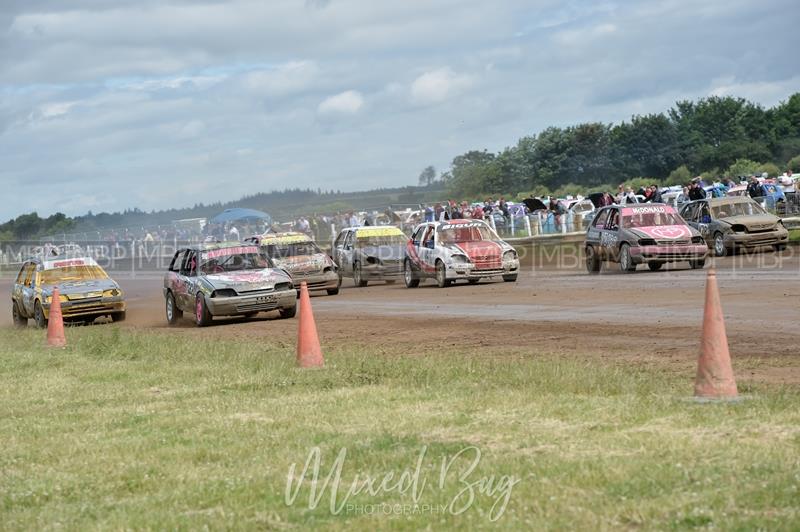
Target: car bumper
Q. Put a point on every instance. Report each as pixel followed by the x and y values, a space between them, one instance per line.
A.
pixel 469 271
pixel 645 254
pixel 86 309
pixel 752 240
pixel 245 304
pixel 381 272
pixel 317 281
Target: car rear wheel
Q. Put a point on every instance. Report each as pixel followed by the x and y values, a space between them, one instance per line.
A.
pixel 118 316
pixel 19 320
pixel 441 275
pixel 411 279
pixel 358 276
pixel 510 278
pixel 202 315
pixel 719 245
pixel 697 264
pixel 625 260
pixel 655 266
pixel 173 312
pixel 287 313
pixel 592 260
pixel 38 316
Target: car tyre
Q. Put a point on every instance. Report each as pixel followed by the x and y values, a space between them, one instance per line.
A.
pixel 411 279
pixel 719 245
pixel 358 276
pixel 473 281
pixel 779 247
pixel 287 313
pixel 202 315
pixel 697 264
pixel 38 316
pixel 625 260
pixel 593 263
pixel 655 266
pixel 510 278
pixel 441 275
pixel 19 319
pixel 173 312
pixel 118 316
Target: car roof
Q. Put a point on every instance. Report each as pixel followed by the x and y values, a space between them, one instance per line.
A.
pixel 208 246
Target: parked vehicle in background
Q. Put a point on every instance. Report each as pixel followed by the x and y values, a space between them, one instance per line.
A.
pixel 458 249
pixel 651 234
pixel 735 222
pixel 225 279
pixel 86 292
pixel 299 255
pixel 373 253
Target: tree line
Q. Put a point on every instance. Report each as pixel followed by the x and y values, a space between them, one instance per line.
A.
pixel 712 136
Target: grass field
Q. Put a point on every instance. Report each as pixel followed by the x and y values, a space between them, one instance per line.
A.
pixel 141 430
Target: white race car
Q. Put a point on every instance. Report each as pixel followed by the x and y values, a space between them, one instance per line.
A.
pixel 458 249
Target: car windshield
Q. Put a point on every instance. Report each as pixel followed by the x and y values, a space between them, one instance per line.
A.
pixel 744 208
pixel 650 219
pixel 232 260
pixel 467 232
pixel 296 249
pixel 386 240
pixel 73 273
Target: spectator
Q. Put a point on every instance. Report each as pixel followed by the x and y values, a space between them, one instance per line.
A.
pixel 754 189
pixel 606 200
pixel 657 198
pixel 696 192
pixel 234 234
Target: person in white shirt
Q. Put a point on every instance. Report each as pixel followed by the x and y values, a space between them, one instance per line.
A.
pixel 234 233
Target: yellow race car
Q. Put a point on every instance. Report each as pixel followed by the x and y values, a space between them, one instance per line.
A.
pixel 85 289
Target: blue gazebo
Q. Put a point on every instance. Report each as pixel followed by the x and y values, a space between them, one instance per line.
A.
pixel 239 214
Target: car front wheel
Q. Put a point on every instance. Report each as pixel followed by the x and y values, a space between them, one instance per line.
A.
pixel 287 313
pixel 719 245
pixel 202 315
pixel 38 316
pixel 625 260
pixel 358 276
pixel 19 320
pixel 697 264
pixel 441 275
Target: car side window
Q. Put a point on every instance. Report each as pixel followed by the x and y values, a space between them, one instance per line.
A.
pixel 427 240
pixel 601 220
pixel 705 214
pixel 30 272
pixel 177 261
pixel 22 274
pixel 613 220
pixel 339 240
pixel 189 266
pixel 348 241
pixel 417 235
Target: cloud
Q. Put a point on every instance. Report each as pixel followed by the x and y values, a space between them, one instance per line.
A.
pixel 437 86
pixel 347 102
pixel 242 96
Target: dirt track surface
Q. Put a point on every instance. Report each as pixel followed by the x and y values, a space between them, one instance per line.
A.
pixel 642 318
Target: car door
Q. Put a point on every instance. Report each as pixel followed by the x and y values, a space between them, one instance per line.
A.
pixel 173 279
pixel 187 277
pixel 427 249
pixel 414 244
pixel 609 235
pixel 28 291
pixel 346 255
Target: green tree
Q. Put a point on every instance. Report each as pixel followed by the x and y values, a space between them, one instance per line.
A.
pixel 427 176
pixel 680 176
pixel 743 167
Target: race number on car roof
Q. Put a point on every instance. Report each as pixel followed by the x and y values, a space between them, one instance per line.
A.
pixel 284 239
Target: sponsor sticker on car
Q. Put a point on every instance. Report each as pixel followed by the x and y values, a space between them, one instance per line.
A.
pixel 223 252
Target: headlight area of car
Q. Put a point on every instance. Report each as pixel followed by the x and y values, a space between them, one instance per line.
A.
pixel 647 242
pixel 49 298
pixel 509 256
pixel 373 261
pixel 738 228
pixel 280 287
pixel 460 259
pixel 698 240
pixel 112 293
pixel 224 292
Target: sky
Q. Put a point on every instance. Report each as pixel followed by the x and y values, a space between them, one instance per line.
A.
pixel 114 104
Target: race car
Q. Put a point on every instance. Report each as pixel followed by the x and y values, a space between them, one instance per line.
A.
pixel 370 253
pixel 734 223
pixel 86 292
pixel 225 279
pixel 458 249
pixel 650 233
pixel 299 255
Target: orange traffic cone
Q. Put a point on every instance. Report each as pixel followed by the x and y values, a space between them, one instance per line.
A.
pixel 309 352
pixel 55 327
pixel 714 372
